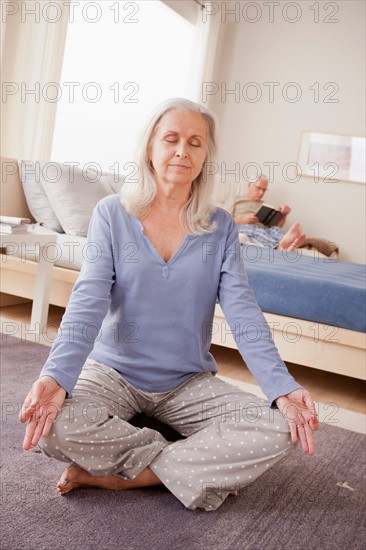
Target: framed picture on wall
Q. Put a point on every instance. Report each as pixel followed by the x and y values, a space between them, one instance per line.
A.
pixel 332 158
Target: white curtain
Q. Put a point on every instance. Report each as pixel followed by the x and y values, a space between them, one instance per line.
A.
pixel 33 44
pixel 208 29
pixel 204 54
pixel 32 48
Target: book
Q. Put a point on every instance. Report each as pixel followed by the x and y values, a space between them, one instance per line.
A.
pixel 268 215
pixel 12 224
pixel 8 229
pixel 13 220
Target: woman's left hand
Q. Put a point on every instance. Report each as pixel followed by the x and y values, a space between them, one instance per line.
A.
pixel 298 409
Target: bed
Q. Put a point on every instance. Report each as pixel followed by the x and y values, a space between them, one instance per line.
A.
pixel 315 305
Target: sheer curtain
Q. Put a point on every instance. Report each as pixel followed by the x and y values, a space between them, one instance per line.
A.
pixel 32 51
pixel 120 78
pixel 33 40
pixel 208 32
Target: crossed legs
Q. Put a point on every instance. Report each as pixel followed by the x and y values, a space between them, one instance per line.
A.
pixel 231 438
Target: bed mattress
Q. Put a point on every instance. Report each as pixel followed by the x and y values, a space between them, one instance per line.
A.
pixel 313 288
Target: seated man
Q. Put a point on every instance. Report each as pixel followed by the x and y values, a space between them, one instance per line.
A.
pixel 250 230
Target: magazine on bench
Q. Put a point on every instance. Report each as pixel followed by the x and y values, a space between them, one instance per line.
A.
pixel 268 215
pixel 11 224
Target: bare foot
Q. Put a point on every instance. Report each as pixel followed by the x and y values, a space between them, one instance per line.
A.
pixel 74 477
pixel 293 238
pixel 296 243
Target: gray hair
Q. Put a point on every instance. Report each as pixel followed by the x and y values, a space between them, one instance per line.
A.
pixel 137 197
pixel 255 178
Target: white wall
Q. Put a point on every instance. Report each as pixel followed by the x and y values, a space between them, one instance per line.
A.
pixel 303 52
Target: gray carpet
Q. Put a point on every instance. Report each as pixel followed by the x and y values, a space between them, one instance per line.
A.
pixel 296 505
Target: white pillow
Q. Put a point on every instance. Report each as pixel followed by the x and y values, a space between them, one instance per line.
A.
pixel 73 193
pixel 37 201
pixel 113 181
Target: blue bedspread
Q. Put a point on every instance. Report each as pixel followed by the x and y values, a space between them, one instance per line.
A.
pixel 316 289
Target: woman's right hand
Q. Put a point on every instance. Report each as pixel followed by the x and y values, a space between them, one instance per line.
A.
pixel 40 409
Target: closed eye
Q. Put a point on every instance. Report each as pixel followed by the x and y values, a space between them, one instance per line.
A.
pixel 173 139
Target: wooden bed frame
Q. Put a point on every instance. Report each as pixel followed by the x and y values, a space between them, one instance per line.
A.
pixel 307 343
pixel 324 347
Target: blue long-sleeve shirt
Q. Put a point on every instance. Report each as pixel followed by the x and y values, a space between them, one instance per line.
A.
pixel 151 320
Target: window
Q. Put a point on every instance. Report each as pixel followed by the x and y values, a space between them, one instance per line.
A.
pixel 115 71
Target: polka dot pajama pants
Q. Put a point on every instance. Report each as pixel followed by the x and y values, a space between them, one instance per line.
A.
pixel 232 437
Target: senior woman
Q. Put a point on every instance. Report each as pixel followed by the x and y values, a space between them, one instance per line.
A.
pixel 164 254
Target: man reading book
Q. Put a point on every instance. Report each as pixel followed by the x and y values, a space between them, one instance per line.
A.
pixel 244 211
